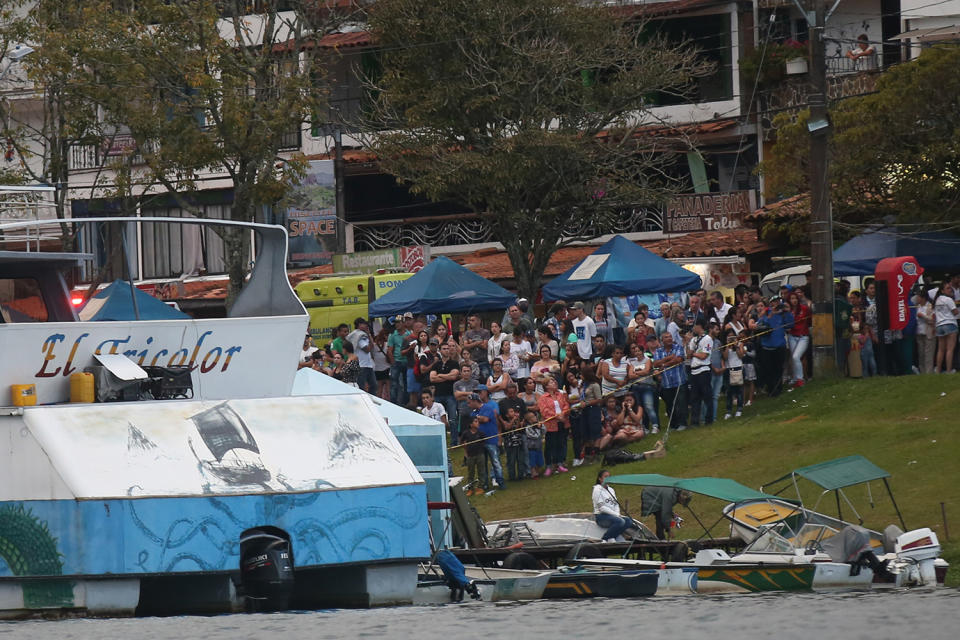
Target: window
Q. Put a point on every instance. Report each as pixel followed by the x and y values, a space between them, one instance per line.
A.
pixel 21 301
pixel 710 36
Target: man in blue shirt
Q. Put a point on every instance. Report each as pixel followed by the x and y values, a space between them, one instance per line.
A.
pixel 772 325
pixel 668 360
pixel 486 413
pixel 396 345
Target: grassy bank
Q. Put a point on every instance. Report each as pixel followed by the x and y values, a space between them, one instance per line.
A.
pixel 908 426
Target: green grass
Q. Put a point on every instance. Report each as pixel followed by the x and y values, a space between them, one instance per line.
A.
pixel 908 426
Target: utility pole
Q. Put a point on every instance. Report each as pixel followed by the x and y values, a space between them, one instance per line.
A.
pixel 339 179
pixel 821 219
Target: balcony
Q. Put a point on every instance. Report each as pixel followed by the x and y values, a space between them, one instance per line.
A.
pixel 92 156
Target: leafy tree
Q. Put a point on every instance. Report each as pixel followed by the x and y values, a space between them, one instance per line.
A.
pixel 47 112
pixel 895 153
pixel 205 88
pixel 524 110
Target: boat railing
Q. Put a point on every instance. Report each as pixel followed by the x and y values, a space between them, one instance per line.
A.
pixel 267 291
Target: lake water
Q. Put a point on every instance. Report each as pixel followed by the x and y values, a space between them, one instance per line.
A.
pixel 873 615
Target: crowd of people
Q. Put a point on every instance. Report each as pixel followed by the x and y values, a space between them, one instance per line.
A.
pixel 524 398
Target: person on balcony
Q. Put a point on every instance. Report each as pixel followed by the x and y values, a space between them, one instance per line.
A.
pixel 864 55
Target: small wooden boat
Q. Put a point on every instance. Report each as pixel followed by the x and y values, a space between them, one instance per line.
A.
pixel 494 585
pixel 587 583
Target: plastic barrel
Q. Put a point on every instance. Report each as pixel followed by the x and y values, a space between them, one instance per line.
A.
pixel 82 387
pixel 24 395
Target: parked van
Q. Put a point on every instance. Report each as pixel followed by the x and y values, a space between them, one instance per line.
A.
pixel 795 277
pixel 333 300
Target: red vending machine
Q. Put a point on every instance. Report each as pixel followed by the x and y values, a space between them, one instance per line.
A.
pixel 895 279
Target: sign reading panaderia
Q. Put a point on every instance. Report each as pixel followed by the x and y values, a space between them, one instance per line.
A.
pixel 707 211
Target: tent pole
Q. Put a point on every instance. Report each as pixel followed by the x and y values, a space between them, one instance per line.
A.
pixel 129 270
pixel 836 493
pixel 895 507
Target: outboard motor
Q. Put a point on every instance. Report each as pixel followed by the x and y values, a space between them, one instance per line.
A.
pixel 266 568
pixel 920 548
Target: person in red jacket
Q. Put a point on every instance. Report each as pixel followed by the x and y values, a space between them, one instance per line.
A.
pixel 798 339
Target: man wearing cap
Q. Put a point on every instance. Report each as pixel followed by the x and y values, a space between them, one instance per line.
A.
pixel 585 328
pixel 486 414
pixel 396 354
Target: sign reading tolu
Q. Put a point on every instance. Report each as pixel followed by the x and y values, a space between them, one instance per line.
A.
pixel 707 211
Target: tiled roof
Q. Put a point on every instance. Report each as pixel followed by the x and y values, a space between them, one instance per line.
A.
pixel 789 208
pixel 342 40
pixel 495 265
pixel 350 156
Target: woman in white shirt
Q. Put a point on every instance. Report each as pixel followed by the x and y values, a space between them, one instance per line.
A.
pixel 614 373
pixel 498 380
pixel 926 335
pixel 497 337
pixel 945 311
pixel 606 509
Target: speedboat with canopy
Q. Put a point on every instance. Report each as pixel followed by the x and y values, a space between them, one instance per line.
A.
pixel 775 523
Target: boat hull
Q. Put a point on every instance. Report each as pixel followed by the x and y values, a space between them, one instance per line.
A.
pixel 605 584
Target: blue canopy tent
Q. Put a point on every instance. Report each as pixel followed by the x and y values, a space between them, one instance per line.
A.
pixel 620 268
pixel 934 250
pixel 443 286
pixel 115 302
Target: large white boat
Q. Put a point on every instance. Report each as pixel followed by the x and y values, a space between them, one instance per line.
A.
pixel 131 505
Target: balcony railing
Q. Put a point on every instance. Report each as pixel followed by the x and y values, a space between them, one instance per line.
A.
pixel 458 230
pixel 94 156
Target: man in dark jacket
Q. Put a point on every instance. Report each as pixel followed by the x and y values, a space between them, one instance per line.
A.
pixel 659 502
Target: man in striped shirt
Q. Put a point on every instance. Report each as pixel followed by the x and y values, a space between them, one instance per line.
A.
pixel 668 360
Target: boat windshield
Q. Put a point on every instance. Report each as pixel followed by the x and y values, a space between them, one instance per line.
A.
pixel 779 538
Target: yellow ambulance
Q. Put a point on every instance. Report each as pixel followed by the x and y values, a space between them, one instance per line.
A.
pixel 342 299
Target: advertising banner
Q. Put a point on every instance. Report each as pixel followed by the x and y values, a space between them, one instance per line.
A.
pixel 693 212
pixel 895 277
pixel 407 259
pixel 310 216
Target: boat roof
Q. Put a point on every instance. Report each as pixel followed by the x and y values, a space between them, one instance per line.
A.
pixel 839 473
pixel 720 488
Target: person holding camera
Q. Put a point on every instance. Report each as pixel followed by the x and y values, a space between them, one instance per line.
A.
pixel 773 323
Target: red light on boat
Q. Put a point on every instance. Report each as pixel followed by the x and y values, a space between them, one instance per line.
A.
pixel 76 301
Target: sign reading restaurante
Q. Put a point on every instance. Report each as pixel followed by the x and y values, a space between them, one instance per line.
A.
pixel 693 212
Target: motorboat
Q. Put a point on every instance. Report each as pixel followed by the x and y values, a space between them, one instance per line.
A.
pixel 564 528
pixel 494 585
pixel 778 526
pixel 588 582
pixel 771 564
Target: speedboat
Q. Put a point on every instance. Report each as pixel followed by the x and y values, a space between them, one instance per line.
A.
pixel 779 526
pixel 564 528
pixel 770 565
pixel 588 582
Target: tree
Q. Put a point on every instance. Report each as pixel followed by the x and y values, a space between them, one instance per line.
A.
pixel 525 111
pixel 50 113
pixel 895 153
pixel 207 90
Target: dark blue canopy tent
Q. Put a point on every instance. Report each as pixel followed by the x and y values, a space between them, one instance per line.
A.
pixel 934 250
pixel 620 268
pixel 115 302
pixel 443 286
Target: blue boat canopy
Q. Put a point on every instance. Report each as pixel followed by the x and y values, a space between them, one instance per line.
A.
pixel 620 267
pixel 934 250
pixel 720 488
pixel 443 286
pixel 115 303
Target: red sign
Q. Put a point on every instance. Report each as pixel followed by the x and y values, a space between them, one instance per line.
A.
pixel 899 274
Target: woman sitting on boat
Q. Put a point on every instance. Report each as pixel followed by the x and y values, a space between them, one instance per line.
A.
pixel 606 510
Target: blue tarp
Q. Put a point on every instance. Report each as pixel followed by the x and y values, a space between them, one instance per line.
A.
pixel 115 303
pixel 620 268
pixel 934 250
pixel 443 286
